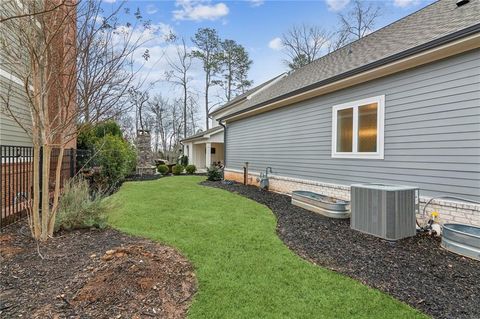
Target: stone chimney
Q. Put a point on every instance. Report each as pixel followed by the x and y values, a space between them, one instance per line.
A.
pixel 145 164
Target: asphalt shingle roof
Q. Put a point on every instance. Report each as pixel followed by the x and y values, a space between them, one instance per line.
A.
pixel 244 95
pixel 435 21
pixel 201 134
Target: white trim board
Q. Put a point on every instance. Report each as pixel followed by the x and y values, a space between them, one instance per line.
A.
pixel 379 154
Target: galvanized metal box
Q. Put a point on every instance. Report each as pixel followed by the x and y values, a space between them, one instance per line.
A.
pixel 385 211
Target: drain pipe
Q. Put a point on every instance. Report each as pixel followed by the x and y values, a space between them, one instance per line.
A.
pixel 245 174
pixel 224 143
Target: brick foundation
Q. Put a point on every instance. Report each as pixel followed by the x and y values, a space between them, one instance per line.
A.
pixel 449 211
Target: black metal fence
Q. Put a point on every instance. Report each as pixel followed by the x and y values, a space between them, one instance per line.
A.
pixel 16 178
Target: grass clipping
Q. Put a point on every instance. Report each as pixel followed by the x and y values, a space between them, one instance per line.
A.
pixel 80 208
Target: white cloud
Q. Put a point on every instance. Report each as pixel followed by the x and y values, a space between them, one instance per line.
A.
pixel 275 44
pixel 337 5
pixel 198 10
pixel 256 3
pixel 405 3
pixel 110 1
pixel 151 9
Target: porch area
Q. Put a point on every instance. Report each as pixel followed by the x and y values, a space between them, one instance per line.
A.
pixel 204 154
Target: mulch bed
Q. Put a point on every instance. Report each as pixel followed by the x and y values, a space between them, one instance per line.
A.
pixel 144 177
pixel 92 274
pixel 415 270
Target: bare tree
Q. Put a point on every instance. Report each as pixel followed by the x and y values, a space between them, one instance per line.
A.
pixel 138 97
pixel 159 108
pixel 303 44
pixel 179 75
pixel 43 59
pixel 106 70
pixel 357 22
pixel 193 115
pixel 167 125
pixel 6 15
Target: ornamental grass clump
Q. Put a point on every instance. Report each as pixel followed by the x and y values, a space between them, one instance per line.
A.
pixel 79 208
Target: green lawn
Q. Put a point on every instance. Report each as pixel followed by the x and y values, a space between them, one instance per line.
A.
pixel 244 270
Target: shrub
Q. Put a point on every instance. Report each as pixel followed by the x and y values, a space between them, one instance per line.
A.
pixel 106 149
pixel 214 173
pixel 116 157
pixel 162 169
pixel 184 160
pixel 78 208
pixel 89 135
pixel 191 169
pixel 177 169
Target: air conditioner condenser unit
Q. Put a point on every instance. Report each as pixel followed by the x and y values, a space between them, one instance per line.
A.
pixel 385 211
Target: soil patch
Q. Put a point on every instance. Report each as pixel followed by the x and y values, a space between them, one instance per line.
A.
pixel 415 270
pixel 92 274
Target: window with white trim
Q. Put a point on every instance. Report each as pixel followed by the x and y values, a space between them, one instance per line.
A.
pixel 357 129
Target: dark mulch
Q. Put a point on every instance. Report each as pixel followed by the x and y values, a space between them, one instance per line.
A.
pixel 144 177
pixel 92 274
pixel 415 270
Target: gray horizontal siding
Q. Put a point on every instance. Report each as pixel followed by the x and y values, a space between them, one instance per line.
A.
pixel 432 133
pixel 10 132
pixel 10 51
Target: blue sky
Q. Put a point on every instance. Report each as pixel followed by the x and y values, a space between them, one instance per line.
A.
pixel 255 24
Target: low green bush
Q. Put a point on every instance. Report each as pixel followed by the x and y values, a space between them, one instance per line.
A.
pixel 78 208
pixel 177 169
pixel 191 169
pixel 214 173
pixel 162 169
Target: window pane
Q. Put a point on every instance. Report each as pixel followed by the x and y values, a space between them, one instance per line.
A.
pixel 344 130
pixel 367 128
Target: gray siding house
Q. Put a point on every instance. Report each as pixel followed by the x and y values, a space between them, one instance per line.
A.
pixel 400 106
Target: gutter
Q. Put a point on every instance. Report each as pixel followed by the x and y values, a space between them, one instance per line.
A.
pixel 367 67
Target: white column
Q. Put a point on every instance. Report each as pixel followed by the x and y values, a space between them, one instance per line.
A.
pixel 190 153
pixel 208 155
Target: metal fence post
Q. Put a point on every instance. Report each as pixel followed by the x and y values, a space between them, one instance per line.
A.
pixel 72 162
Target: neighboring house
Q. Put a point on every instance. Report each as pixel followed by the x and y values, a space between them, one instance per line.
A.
pixel 206 148
pixel 400 106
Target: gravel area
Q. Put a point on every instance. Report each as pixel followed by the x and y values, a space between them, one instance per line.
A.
pixel 91 274
pixel 415 270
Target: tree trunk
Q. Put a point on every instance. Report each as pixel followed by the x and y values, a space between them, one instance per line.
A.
pixel 35 210
pixel 47 151
pixel 56 194
pixel 207 80
pixel 185 96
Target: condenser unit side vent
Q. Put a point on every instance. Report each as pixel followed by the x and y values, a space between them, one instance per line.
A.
pixel 385 211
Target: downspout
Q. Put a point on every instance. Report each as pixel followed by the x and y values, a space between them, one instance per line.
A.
pixel 224 143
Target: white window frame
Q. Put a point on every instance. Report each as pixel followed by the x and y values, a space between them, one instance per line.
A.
pixel 380 100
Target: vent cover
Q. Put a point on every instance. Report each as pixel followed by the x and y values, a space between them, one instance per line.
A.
pixel 385 211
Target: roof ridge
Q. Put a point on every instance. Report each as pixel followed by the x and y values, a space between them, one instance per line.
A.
pixel 368 35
